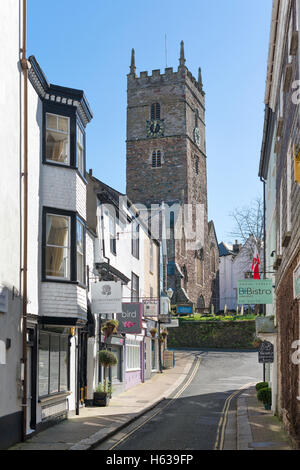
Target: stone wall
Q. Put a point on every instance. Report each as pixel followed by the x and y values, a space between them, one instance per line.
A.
pixel 209 334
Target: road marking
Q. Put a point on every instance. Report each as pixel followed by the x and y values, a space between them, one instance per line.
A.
pixel 164 407
pixel 219 444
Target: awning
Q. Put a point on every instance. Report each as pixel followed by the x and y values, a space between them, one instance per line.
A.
pixel 106 268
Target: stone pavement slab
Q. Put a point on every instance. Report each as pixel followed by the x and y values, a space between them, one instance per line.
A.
pixel 96 423
pixel 257 428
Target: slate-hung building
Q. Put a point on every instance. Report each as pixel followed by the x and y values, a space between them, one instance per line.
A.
pixel 58 287
pixel 279 172
pixel 42 323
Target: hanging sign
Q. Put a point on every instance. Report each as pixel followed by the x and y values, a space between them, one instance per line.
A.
pixel 130 320
pixel 254 291
pixel 106 297
pixel 150 308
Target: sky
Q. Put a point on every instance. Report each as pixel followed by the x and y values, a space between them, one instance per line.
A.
pixel 87 45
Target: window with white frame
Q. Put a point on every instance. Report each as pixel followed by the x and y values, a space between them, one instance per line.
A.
pixel 135 287
pixel 80 251
pixel 133 355
pixel 57 139
pixel 57 246
pixel 151 256
pixel 80 150
pixel 135 239
pixel 112 234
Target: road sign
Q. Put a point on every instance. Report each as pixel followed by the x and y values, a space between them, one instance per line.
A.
pixel 266 353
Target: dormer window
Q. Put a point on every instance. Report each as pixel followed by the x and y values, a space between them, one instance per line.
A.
pixel 155 111
pixel 57 139
pixel 156 159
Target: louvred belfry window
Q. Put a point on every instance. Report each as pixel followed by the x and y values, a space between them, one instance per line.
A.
pixel 155 111
pixel 156 159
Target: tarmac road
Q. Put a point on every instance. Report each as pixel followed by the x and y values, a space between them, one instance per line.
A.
pixel 191 421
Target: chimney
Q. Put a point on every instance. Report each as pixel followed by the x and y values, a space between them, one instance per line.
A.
pixel 236 247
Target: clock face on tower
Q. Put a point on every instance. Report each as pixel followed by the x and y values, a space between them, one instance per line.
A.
pixel 197 136
pixel 155 128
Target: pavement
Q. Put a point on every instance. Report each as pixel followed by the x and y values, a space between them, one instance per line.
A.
pixel 256 428
pixel 95 424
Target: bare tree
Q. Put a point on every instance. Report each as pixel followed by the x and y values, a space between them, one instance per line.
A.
pixel 249 229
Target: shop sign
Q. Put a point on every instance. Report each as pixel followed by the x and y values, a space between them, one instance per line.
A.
pixel 254 291
pixel 106 297
pixel 185 309
pixel 297 282
pixel 3 299
pixel 150 308
pixel 130 319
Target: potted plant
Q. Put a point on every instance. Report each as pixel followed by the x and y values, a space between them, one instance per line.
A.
pixel 110 327
pixel 103 392
pixel 265 395
pixel 261 385
pixel 164 333
pixel 153 332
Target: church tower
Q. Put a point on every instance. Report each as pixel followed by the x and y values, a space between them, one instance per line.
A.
pixel 166 158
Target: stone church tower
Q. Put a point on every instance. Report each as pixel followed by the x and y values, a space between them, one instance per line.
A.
pixel 166 163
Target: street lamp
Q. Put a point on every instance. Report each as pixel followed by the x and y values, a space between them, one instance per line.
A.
pixel 170 293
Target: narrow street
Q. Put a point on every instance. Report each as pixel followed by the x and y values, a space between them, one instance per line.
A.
pixel 191 421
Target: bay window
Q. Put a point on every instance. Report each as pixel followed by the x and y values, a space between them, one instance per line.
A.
pixel 64 246
pixel 58 138
pixel 58 246
pixel 80 150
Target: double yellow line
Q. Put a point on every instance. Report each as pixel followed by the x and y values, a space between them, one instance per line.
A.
pixel 219 444
pixel 180 392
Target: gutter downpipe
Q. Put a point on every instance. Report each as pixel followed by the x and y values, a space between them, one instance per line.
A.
pixel 24 65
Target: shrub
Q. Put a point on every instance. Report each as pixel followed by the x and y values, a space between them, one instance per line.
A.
pixel 107 358
pixel 265 395
pixel 261 385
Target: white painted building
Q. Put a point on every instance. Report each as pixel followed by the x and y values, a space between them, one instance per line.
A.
pixel 122 251
pixel 235 265
pixel 45 374
pixel 11 154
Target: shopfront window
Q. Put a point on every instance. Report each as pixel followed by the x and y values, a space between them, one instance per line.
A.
pixel 53 363
pixel 133 356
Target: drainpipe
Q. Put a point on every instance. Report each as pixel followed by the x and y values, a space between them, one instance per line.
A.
pixel 24 65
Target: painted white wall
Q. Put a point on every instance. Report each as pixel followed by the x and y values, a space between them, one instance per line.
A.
pixel 10 158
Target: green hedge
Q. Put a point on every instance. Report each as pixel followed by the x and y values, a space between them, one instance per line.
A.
pixel 226 335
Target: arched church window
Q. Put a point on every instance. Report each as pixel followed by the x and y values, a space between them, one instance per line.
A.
pixel 155 111
pixel 156 159
pixel 212 260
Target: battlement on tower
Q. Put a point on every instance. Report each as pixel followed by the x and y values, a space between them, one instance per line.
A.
pixel 168 76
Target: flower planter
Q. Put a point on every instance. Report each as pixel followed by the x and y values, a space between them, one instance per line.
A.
pixel 101 399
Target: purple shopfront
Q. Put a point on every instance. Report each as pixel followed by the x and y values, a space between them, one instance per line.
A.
pixel 130 323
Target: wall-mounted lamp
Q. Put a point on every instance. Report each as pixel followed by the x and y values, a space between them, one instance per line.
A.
pixel 273 253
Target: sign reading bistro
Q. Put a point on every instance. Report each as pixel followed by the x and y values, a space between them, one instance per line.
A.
pixel 254 291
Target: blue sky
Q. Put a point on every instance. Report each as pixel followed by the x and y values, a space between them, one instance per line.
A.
pixel 87 45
